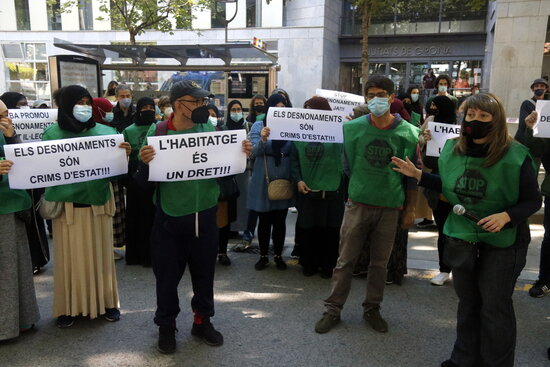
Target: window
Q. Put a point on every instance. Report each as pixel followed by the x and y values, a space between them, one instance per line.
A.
pixel 218 15
pixel 85 15
pixel 22 15
pixel 54 18
pixel 26 69
pixel 252 18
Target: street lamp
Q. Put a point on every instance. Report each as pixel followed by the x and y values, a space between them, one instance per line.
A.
pixel 236 2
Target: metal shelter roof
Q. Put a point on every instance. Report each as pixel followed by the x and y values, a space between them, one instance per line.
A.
pixel 234 55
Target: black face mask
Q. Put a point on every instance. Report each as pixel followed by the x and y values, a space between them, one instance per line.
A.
pixel 259 109
pixel 539 92
pixel 146 117
pixel 200 115
pixel 111 92
pixel 476 129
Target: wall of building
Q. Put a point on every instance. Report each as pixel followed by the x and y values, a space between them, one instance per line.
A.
pixel 517 49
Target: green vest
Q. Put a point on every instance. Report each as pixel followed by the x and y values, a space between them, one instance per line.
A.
pixel 135 135
pixel 320 165
pixel 11 201
pixel 179 198
pixel 481 190
pixel 369 151
pixel 415 119
pixel 95 192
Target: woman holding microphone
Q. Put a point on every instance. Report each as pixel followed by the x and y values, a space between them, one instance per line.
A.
pixel 492 177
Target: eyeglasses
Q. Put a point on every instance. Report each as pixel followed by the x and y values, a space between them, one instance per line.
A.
pixel 379 95
pixel 196 102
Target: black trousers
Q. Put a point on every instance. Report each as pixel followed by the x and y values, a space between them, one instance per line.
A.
pixel 175 245
pixel 272 224
pixel 319 248
pixel 440 215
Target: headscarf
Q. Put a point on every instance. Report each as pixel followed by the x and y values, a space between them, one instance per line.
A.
pixel 408 106
pixel 99 107
pixel 212 106
pixel 231 124
pixel 11 99
pixel 142 102
pixel 68 97
pixel 445 110
pixel 276 145
pixel 317 103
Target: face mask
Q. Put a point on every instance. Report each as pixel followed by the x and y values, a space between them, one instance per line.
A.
pixel 111 92
pixel 125 102
pixel 538 93
pixel 26 107
pixel 213 120
pixel 108 116
pixel 200 115
pixel 476 91
pixel 259 109
pixel 147 116
pixel 378 106
pixel 167 112
pixel 236 116
pixel 82 113
pixel 414 97
pixel 476 129
pixel 442 89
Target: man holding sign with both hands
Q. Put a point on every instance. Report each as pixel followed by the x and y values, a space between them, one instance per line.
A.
pixel 184 230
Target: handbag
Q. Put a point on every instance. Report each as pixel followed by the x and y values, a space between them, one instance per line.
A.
pixel 279 189
pixel 50 209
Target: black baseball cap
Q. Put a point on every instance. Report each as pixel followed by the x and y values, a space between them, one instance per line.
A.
pixel 539 81
pixel 187 88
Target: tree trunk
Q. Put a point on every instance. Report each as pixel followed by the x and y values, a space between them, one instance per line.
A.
pixel 365 21
pixel 132 38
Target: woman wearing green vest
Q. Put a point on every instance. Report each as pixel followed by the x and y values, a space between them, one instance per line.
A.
pixel 84 269
pixel 316 169
pixel 493 178
pixel 140 210
pixel 17 300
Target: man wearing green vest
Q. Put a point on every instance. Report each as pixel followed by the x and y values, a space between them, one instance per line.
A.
pixel 376 197
pixel 184 230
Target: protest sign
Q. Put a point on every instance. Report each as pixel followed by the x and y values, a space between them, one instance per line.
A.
pixel 30 124
pixel 299 124
pixel 197 156
pixel 542 127
pixel 440 134
pixel 341 101
pixel 65 161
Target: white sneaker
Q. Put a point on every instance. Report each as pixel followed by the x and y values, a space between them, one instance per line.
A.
pixel 440 279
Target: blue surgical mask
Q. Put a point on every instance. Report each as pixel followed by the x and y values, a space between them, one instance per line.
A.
pixel 236 116
pixel 414 97
pixel 213 120
pixel 442 89
pixel 82 113
pixel 108 116
pixel 378 106
pixel 125 102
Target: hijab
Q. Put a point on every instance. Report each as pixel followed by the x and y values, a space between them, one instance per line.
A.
pixel 231 124
pixel 142 102
pixel 11 99
pixel 68 97
pixel 445 110
pixel 99 107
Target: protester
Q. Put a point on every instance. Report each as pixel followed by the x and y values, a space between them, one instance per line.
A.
pixel 184 229
pixel 165 107
pixel 442 83
pixel 39 103
pixel 444 112
pixel 428 80
pixel 102 111
pixel 34 224
pixel 397 106
pixel 284 93
pixel 376 197
pixel 84 271
pixel 271 162
pixel 18 300
pixel 124 110
pixel 538 87
pixel 417 113
pixel 492 177
pixel 139 200
pixel 257 108
pixel 317 172
pixel 110 92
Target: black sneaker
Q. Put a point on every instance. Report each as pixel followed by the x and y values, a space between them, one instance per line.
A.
pixel 426 223
pixel 224 259
pixel 539 289
pixel 262 263
pixel 375 320
pixel 280 263
pixel 206 332
pixel 448 363
pixel 112 314
pixel 65 321
pixel 167 339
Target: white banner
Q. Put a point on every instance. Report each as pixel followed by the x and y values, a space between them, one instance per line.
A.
pixel 197 156
pixel 299 124
pixel 30 124
pixel 542 127
pixel 441 132
pixel 65 161
pixel 341 101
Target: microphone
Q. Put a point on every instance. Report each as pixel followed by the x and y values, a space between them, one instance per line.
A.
pixel 460 210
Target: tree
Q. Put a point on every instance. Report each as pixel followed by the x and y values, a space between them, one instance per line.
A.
pixel 136 16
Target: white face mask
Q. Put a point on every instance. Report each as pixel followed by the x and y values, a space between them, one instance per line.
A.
pixel 414 97
pixel 167 112
pixel 213 120
pixel 442 89
pixel 26 107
